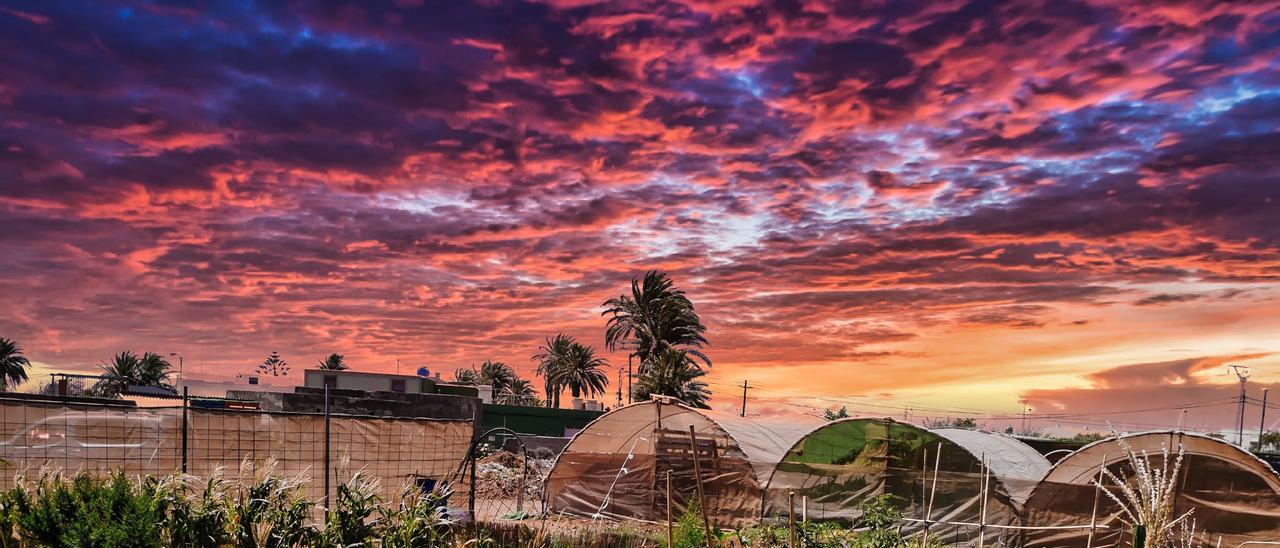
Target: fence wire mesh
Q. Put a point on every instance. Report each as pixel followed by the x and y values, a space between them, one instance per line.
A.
pixel 73 437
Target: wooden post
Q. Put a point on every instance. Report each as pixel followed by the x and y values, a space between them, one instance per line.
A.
pixel 791 518
pixel 670 537
pixel 928 512
pixel 982 518
pixel 697 478
pixel 804 508
pixel 1097 493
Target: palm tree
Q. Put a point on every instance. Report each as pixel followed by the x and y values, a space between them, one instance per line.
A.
pixel 656 316
pixel 13 365
pixel 580 372
pixel 153 370
pixel 127 369
pixel 466 376
pixel 520 392
pixel 496 374
pixel 674 373
pixel 549 357
pixel 333 363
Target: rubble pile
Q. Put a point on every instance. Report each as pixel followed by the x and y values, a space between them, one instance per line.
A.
pixel 501 474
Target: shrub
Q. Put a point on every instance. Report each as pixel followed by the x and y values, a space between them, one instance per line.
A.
pixel 689 531
pixel 198 513
pixel 88 512
pixel 354 518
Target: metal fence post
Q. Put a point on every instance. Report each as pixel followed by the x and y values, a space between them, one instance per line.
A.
pixel 185 401
pixel 327 503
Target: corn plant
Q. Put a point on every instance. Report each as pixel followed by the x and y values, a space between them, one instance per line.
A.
pixel 418 520
pixel 269 511
pixel 1147 498
pixel 354 520
pixel 197 512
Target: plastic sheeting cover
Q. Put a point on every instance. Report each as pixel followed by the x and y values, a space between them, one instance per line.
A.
pixel 616 467
pixel 845 463
pixel 1231 493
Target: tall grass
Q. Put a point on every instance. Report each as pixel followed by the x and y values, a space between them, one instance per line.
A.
pixel 1147 497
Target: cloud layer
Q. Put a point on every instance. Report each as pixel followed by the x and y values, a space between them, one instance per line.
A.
pixel 909 197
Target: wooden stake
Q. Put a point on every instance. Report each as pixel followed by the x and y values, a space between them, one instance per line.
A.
pixel 791 518
pixel 1097 493
pixel 804 508
pixel 933 490
pixel 697 477
pixel 982 519
pixel 670 537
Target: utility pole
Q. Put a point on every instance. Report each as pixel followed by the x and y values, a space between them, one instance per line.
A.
pixel 629 375
pixel 1262 422
pixel 1242 372
pixel 619 388
pixel 744 398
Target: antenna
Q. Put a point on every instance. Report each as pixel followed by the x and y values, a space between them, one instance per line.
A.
pixel 1242 372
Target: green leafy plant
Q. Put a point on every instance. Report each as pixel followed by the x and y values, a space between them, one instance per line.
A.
pixel 89 512
pixel 354 519
pixel 198 513
pixel 269 511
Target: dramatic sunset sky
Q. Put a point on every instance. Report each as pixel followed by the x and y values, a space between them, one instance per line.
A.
pixel 951 205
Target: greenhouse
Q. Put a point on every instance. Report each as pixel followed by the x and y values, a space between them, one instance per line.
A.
pixel 934 475
pixel 617 466
pixel 1230 492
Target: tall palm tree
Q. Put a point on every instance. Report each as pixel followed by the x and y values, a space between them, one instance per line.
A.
pixel 13 365
pixel 674 373
pixel 333 363
pixel 580 372
pixel 656 316
pixel 549 357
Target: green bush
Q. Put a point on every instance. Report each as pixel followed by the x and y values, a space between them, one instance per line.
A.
pixel 689 530
pixel 87 512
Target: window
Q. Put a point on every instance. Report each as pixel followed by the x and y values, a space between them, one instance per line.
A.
pixel 331 381
pixel 397 385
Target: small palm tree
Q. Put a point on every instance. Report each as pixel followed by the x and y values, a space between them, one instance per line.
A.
pixel 333 363
pixel 549 357
pixel 580 372
pixel 13 365
pixel 674 373
pixel 128 369
pixel 466 376
pixel 153 370
pixel 654 317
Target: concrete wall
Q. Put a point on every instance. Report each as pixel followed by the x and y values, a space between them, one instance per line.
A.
pixel 369 382
pixel 376 404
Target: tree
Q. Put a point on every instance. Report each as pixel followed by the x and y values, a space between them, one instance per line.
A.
pixel 13 365
pixel 655 317
pixel 673 373
pixel 519 392
pixel 498 375
pixel 830 415
pixel 550 356
pixel 580 372
pixel 333 363
pixel 128 369
pixel 274 365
